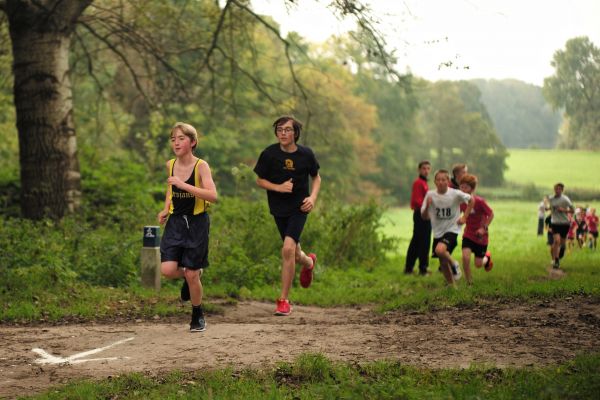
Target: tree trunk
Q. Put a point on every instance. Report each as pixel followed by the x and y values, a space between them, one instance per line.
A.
pixel 41 32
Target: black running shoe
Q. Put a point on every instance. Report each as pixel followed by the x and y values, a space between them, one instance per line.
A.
pixel 185 291
pixel 198 325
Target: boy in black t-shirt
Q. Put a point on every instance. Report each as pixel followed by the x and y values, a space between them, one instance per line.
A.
pixel 283 169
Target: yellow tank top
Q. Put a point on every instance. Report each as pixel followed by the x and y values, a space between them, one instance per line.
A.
pixel 183 202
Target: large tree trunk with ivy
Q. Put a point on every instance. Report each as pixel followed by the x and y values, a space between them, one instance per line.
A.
pixel 41 32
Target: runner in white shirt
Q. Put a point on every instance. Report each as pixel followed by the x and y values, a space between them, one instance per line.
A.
pixel 442 206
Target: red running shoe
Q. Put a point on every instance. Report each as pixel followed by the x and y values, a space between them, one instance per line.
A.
pixel 489 264
pixel 283 307
pixel 306 275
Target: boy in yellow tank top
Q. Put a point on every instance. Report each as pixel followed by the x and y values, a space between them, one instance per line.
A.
pixel 184 245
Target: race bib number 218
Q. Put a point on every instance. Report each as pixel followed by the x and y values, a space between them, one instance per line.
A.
pixel 443 213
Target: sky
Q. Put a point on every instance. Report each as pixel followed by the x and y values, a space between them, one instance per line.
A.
pixel 487 39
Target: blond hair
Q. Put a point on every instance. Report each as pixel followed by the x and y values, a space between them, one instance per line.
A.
pixel 188 130
pixel 456 168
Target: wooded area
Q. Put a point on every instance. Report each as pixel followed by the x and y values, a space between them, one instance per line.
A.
pixel 100 82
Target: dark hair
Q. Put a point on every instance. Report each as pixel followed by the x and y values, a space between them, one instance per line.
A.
pixel 441 171
pixel 562 186
pixel 424 162
pixel 296 124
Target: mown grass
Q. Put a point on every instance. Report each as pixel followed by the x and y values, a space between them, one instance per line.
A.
pixel 312 376
pixel 543 168
pixel 85 303
pixel 520 272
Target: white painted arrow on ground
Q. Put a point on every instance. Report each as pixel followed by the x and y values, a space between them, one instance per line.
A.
pixel 77 358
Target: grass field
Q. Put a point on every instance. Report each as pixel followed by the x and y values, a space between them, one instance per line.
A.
pixel 576 169
pixel 520 273
pixel 521 261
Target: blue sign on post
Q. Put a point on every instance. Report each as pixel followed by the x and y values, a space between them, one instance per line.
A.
pixel 151 236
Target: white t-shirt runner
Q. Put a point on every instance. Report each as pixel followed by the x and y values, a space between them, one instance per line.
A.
pixel 444 210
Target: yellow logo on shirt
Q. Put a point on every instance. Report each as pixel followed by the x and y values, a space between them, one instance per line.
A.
pixel 289 165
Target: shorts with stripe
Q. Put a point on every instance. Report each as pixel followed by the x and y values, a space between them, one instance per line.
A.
pixel 449 239
pixel 186 241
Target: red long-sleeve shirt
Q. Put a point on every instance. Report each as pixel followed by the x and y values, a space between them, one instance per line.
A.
pixel 419 190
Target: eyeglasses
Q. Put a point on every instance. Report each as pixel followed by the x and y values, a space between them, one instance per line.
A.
pixel 287 129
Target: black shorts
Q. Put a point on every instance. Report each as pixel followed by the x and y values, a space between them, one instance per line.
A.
pixel 449 239
pixel 476 248
pixel 561 229
pixel 291 226
pixel 595 234
pixel 186 241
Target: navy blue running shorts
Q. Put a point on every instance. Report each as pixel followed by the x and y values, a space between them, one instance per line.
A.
pixel 476 248
pixel 561 229
pixel 291 226
pixel 448 238
pixel 186 241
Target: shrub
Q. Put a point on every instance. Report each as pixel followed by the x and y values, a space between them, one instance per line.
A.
pixel 101 245
pixel 245 246
pixel 346 236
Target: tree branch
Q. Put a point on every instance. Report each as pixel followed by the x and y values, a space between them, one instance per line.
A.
pixel 90 66
pixel 123 58
pixel 215 36
pixel 287 45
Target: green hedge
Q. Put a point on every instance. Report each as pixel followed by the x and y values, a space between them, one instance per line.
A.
pixel 101 245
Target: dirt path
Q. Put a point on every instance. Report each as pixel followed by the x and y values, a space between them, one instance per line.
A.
pixel 247 335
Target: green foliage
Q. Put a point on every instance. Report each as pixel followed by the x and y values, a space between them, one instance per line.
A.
pixel 520 273
pixel 348 236
pixel 246 248
pixel 100 246
pixel 574 87
pixel 459 130
pixel 50 253
pixel 244 244
pixel 521 115
pixel 32 257
pixel 9 145
pixel 312 376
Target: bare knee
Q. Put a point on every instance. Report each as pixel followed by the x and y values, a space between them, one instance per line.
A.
pixel 191 275
pixel 288 251
pixel 169 269
pixel 440 250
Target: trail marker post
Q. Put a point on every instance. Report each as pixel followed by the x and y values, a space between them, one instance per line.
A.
pixel 150 259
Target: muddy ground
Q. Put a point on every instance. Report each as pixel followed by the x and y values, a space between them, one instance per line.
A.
pixel 248 335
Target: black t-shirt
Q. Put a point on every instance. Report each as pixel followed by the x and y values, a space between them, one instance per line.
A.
pixel 277 166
